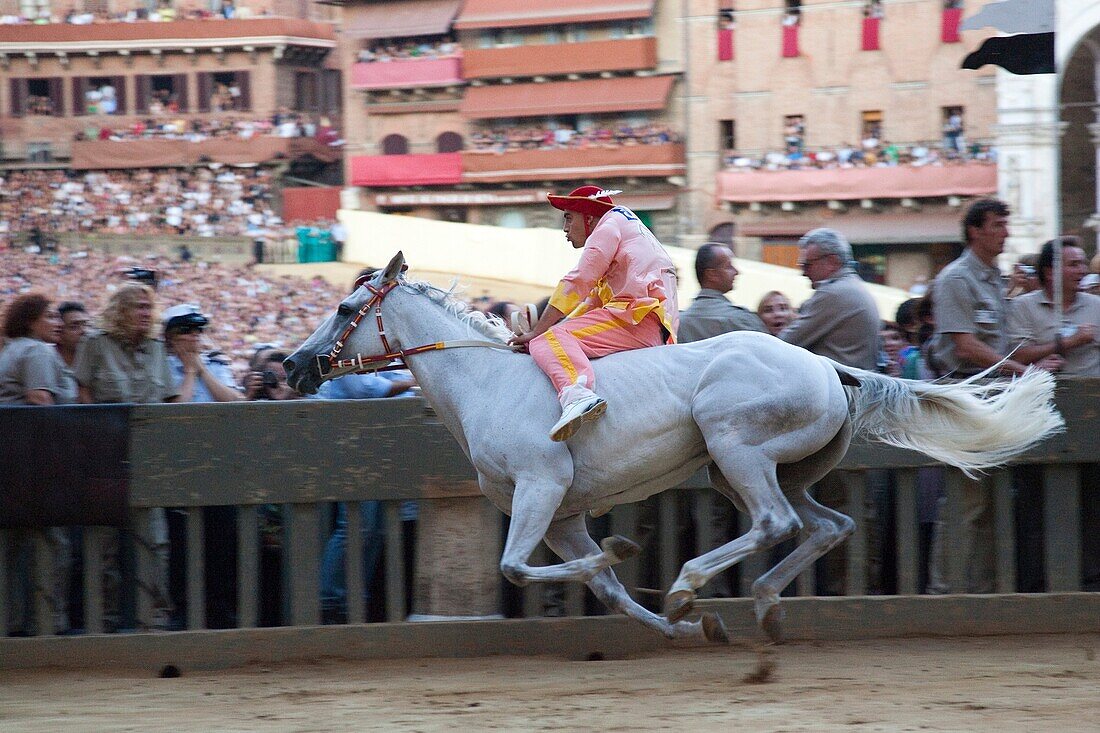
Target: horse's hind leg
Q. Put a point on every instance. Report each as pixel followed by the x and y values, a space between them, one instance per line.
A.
pixel 569 538
pixel 753 475
pixel 533 507
pixel 825 529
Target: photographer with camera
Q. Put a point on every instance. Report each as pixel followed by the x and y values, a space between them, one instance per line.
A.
pixel 267 378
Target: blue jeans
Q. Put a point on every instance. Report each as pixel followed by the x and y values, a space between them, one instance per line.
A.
pixel 334 589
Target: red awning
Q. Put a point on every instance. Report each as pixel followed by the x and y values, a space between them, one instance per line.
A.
pixel 406 170
pixel 401 19
pixel 588 96
pixel 845 184
pixel 513 13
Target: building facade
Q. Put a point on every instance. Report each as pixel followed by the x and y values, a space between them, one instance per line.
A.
pixel 95 89
pixel 471 111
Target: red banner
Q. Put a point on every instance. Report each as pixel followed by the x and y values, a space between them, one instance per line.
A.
pixel 790 41
pixel 725 44
pixel 870 34
pixel 952 17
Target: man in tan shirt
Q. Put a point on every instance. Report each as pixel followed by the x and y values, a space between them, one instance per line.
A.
pixel 1034 328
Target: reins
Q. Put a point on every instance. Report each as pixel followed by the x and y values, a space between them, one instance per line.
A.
pixel 331 366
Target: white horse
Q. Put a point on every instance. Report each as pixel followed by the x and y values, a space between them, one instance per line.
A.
pixel 768 419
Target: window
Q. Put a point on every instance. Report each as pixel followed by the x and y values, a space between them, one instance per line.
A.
pixel 873 9
pixel 395 145
pixel 31 9
pixel 727 135
pixel 726 23
pixel 36 97
pixel 954 132
pixel 161 94
pixel 870 125
pixel 554 34
pixel 39 152
pixel 575 33
pixel 794 133
pixel 224 91
pixel 793 13
pixel 99 95
pixel 448 142
pixel 305 91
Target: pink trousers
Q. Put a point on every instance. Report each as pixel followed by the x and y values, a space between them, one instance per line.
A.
pixel 563 351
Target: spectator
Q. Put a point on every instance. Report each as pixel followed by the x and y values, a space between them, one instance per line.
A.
pixel 1023 279
pixel 775 312
pixel 969 313
pixel 31 370
pixel 969 299
pixel 893 342
pixel 711 314
pixel 840 321
pixel 74 326
pixel 268 380
pixel 123 363
pixel 1069 345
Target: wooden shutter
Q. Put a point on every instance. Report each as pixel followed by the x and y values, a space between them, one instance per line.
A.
pixel 246 91
pixel 179 84
pixel 143 91
pixel 80 89
pixel 206 87
pixel 18 97
pixel 119 83
pixel 57 96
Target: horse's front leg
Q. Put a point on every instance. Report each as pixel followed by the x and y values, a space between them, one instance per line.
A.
pixel 534 503
pixel 569 538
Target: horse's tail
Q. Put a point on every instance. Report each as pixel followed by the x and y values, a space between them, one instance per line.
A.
pixel 969 425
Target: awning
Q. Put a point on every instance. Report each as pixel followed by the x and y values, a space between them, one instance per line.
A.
pixel 588 96
pixel 511 14
pixel 903 181
pixel 402 19
pixel 406 170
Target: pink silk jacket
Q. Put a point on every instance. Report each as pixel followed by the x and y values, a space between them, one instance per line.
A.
pixel 624 269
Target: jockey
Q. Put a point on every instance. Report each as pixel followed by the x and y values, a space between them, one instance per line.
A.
pixel 620 296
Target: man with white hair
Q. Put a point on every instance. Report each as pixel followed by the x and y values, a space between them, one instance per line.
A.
pixel 840 320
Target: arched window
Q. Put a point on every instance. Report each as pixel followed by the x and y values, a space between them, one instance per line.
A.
pixel 395 145
pixel 448 142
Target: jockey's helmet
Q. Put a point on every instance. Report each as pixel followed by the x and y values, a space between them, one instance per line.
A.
pixel 588 200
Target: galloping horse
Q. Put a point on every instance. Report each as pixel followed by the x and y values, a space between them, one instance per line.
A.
pixel 768 420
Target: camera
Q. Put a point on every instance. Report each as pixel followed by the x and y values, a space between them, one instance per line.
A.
pixel 270 380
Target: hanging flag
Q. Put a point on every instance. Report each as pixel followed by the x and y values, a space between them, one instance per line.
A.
pixel 1030 50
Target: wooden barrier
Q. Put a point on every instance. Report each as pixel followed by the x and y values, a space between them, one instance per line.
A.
pixel 306 455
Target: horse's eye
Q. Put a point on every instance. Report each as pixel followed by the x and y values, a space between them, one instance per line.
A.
pixel 344 311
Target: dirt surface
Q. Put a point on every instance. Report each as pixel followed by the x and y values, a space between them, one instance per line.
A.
pixel 1000 684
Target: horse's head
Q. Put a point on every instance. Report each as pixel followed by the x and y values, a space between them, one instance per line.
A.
pixel 312 363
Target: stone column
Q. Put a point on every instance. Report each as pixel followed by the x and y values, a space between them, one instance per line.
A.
pixel 458 550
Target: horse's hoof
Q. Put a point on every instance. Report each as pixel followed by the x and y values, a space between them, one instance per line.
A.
pixel 714 629
pixel 678 604
pixel 771 623
pixel 619 548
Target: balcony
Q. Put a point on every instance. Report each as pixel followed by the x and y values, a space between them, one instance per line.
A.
pixel 571 163
pixel 407 73
pixel 427 169
pixel 627 54
pixel 124 154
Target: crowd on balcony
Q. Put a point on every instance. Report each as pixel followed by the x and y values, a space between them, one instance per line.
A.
pixel 202 202
pixel 563 137
pixel 870 153
pixel 410 49
pixel 283 124
pixel 167 11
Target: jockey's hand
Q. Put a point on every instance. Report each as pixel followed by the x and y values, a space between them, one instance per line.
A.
pixel 522 339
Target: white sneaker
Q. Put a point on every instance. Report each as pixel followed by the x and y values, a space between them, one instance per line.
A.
pixel 574 414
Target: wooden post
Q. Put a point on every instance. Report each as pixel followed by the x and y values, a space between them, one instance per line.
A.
pixel 353 564
pixel 248 567
pixel 303 542
pixel 908 538
pixel 457 559
pixel 42 576
pixel 94 538
pixel 5 602
pixel 1004 531
pixel 395 563
pixel 1062 527
pixel 856 558
pixel 196 569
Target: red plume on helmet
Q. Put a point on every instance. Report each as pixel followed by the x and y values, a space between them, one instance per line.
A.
pixel 588 200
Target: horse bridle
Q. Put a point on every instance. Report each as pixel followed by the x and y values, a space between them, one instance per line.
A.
pixel 329 364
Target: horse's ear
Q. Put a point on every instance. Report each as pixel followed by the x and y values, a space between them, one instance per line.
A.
pixel 396 267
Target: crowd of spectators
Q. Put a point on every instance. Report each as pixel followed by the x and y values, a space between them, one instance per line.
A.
pixel 870 153
pixel 409 49
pixel 615 135
pixel 244 307
pixel 283 124
pixel 166 12
pixel 206 202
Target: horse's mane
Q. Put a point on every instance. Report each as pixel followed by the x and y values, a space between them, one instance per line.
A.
pixel 488 325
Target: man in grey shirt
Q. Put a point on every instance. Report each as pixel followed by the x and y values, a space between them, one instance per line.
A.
pixel 711 314
pixel 840 320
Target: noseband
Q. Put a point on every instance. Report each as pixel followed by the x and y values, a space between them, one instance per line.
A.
pixel 330 365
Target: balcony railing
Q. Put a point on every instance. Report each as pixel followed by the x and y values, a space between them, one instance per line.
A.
pixel 407 73
pixel 563 164
pixel 626 54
